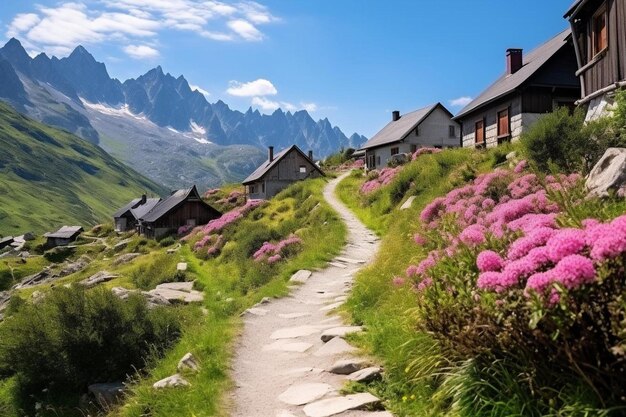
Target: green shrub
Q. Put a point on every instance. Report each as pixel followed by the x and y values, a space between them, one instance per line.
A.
pixel 75 337
pixel 59 254
pixel 168 241
pixel 162 269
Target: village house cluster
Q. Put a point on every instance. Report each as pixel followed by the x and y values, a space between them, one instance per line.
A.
pixel 581 66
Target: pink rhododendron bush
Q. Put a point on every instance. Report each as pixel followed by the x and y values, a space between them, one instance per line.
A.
pixel 271 253
pixel 378 179
pixel 523 266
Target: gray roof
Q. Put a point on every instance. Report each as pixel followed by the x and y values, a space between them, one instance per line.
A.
pixel 6 239
pixel 398 130
pixel 266 166
pixel 65 232
pixel 506 84
pixel 165 206
pixel 136 209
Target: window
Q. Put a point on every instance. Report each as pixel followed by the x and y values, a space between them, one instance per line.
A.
pixel 417 131
pixel 395 151
pixel 371 161
pixel 413 148
pixel 504 123
pixel 599 33
pixel 479 133
pixel 452 131
pixel 378 160
pixel 251 189
pixel 302 169
pixel 262 188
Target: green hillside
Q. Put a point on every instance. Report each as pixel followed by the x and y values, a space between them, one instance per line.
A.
pixel 49 177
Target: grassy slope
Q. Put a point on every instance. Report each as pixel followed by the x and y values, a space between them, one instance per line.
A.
pixel 230 283
pixel 49 177
pixel 386 310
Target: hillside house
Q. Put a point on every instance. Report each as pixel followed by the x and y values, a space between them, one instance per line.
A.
pixel 599 31
pixel 431 126
pixel 280 171
pixel 6 241
pixel 63 237
pixel 182 208
pixel 127 217
pixel 532 85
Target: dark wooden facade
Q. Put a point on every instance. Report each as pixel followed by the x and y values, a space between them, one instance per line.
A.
pixel 599 28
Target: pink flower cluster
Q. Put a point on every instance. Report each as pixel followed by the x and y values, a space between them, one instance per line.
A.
pixel 385 177
pixel 272 253
pixel 183 230
pixel 546 255
pixel 424 151
pixel 231 217
pixel 210 192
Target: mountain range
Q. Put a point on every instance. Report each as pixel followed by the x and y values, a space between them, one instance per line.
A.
pixel 156 123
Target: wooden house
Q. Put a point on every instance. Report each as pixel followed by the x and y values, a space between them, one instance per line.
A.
pixel 280 171
pixel 431 126
pixel 182 208
pixel 127 217
pixel 599 31
pixel 63 237
pixel 532 85
pixel 6 241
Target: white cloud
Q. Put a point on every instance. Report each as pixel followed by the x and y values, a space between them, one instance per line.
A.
pixel 310 107
pixel 204 92
pixel 141 51
pixel 260 87
pixel 265 104
pixel 461 101
pixel 58 29
pixel 245 29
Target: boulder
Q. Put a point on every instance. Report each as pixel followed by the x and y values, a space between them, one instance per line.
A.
pixel 28 236
pixel 98 278
pixel 107 394
pixel 511 155
pixel 301 276
pixel 609 174
pixel 178 292
pixel 365 375
pixel 188 362
pixel 125 258
pixel 181 266
pixel 121 245
pixel 173 381
pixel 347 366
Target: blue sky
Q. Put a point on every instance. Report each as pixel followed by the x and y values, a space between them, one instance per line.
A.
pixel 353 61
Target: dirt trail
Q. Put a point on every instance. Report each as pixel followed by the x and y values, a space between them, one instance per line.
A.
pixel 281 349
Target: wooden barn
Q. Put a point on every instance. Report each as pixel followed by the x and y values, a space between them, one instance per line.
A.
pixel 64 236
pixel 532 85
pixel 127 217
pixel 280 171
pixel 182 208
pixel 599 31
pixel 431 126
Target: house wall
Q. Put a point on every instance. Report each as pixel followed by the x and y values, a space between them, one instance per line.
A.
pixel 285 173
pixel 490 115
pixel 608 67
pixel 433 132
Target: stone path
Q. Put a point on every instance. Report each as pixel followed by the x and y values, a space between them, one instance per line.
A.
pixel 280 366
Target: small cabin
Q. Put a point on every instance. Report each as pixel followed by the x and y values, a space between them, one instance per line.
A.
pixel 182 208
pixel 127 217
pixel 431 126
pixel 64 236
pixel 6 241
pixel 280 171
pixel 599 32
pixel 532 85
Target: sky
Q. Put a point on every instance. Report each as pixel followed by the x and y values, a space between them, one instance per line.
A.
pixel 353 61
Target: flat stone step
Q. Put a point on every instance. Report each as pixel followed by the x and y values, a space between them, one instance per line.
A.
pixel 331 406
pixel 350 260
pixel 256 311
pixel 342 331
pixel 338 265
pixel 304 393
pixel 347 366
pixel 294 332
pixel 365 375
pixel 332 306
pixel 282 346
pixel 293 315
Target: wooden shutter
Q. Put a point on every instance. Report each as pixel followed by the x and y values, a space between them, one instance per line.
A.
pixel 599 29
pixel 503 123
pixel 480 131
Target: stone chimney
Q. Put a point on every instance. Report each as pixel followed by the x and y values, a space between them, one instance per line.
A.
pixel 514 60
pixel 311 155
pixel 395 116
pixel 270 153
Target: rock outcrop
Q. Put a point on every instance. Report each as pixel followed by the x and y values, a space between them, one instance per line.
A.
pixel 609 174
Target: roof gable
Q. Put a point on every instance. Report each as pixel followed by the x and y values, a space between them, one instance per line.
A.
pixel 397 130
pixel 267 166
pixel 163 207
pixel 65 232
pixel 506 84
